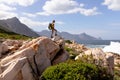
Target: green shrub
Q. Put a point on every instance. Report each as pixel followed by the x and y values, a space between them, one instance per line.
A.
pixel 117 74
pixel 74 70
pixel 68 41
pixel 71 52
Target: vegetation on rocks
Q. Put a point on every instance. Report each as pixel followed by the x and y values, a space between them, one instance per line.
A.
pixel 75 70
pixel 89 60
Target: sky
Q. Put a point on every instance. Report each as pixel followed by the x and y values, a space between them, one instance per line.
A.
pixel 98 18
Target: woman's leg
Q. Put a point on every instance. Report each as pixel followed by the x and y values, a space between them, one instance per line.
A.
pixel 52 33
pixel 55 32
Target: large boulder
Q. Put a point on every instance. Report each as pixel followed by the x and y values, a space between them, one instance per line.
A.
pixel 61 56
pixel 32 58
pixel 11 73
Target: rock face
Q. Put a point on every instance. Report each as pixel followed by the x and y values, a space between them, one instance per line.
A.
pixel 32 58
pixel 100 58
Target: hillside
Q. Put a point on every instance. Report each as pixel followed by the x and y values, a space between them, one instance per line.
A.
pixel 14 25
pixel 11 35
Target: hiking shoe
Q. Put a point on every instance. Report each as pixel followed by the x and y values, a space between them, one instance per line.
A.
pixel 55 34
pixel 51 36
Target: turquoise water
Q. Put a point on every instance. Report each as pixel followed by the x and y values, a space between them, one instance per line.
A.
pixel 96 42
pixel 96 46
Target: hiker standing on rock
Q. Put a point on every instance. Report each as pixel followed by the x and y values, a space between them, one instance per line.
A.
pixel 52 27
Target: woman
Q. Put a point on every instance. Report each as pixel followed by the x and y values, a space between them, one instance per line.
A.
pixel 53 29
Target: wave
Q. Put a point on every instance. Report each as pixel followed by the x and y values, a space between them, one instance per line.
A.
pixel 113 47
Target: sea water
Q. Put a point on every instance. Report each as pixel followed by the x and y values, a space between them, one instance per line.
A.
pixel 95 46
pixel 105 45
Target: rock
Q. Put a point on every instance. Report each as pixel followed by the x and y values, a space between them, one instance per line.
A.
pixel 56 38
pixel 13 69
pixel 27 72
pixel 3 49
pixel 61 56
pixel 59 40
pixel 97 53
pixel 110 63
pixel 13 44
pixel 100 58
pixel 16 43
pixel 33 56
pixel 78 48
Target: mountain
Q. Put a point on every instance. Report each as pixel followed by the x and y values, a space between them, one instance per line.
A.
pixel 14 25
pixel 84 36
pixel 68 36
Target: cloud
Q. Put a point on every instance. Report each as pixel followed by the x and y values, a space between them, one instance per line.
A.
pixel 58 7
pixel 18 2
pixel 4 7
pixel 6 14
pixel 32 23
pixel 112 4
pixel 7 11
pixel 29 14
pixel 43 13
pixel 55 7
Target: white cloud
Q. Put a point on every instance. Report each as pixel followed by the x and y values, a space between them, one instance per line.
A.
pixel 59 7
pixel 112 4
pixel 7 11
pixel 18 2
pixel 32 23
pixel 29 14
pixel 4 7
pixel 43 13
pixel 82 5
pixel 6 14
pixel 89 12
pixel 54 7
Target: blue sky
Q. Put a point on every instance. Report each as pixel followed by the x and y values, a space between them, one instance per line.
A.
pixel 99 18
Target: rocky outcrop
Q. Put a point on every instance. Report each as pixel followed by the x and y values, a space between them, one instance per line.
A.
pixel 99 58
pixel 78 48
pixel 32 58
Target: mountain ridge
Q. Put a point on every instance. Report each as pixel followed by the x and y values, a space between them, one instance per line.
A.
pixel 14 25
pixel 69 36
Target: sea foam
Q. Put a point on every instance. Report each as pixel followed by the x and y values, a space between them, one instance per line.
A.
pixel 113 47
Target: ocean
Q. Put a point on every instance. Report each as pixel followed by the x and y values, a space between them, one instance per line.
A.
pixel 97 43
pixel 105 45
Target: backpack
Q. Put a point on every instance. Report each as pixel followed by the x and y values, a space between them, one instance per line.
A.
pixel 50 26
